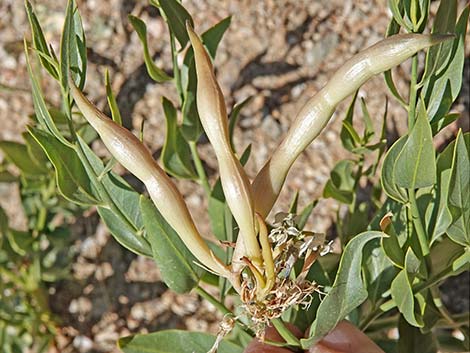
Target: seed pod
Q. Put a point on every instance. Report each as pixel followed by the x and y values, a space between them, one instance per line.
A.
pixel 213 115
pixel 136 158
pixel 315 114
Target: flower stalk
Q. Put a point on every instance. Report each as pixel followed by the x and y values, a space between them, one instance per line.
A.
pixel 316 113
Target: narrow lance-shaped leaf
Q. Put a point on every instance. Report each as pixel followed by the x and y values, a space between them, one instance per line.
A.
pixel 233 118
pixel 387 178
pixel 212 37
pixel 40 44
pixel 120 211
pixel 176 16
pixel 177 265
pixel 40 107
pixel 443 88
pixel 112 103
pixel 415 166
pixel 459 190
pixel 174 341
pixel 73 48
pixel 347 293
pixel 444 22
pixel 313 117
pixel 176 153
pixel 402 291
pixel 72 179
pixel 349 137
pixel 17 154
pixel 153 70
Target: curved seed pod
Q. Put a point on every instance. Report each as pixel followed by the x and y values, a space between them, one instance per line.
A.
pixel 213 115
pixel 136 158
pixel 315 114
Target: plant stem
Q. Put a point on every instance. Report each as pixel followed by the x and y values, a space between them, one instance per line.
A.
pixel 218 305
pixel 221 307
pixel 413 92
pixel 431 282
pixel 417 222
pixel 285 333
pixel 199 167
pixel 373 315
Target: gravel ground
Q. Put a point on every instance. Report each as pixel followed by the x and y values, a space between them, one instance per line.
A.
pixel 279 52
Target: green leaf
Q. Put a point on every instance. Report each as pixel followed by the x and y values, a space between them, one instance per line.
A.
pixel 175 261
pixel 233 118
pixel 369 127
pixel 176 16
pixel 416 162
pixel 442 123
pixel 305 214
pixel 40 107
pixel 341 183
pixel 347 293
pixel 391 246
pixel 440 217
pixel 444 22
pixel 453 251
pixel 174 341
pixel 112 103
pixel 212 37
pixel 121 212
pixel 153 70
pixel 459 190
pixel 192 128
pixel 412 340
pixel 40 43
pixel 21 242
pixel 388 180
pixel 73 48
pixel 72 179
pixel 349 137
pixel 443 87
pixel 378 272
pixel 294 203
pixel 19 155
pixel 176 154
pixel 402 291
pixel 399 14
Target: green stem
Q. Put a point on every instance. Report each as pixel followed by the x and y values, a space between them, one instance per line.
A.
pixel 413 92
pixel 176 69
pixel 221 307
pixel 374 314
pixel 285 333
pixel 431 282
pixel 199 167
pixel 218 305
pixel 417 222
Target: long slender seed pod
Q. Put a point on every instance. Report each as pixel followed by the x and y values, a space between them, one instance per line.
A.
pixel 136 158
pixel 315 114
pixel 213 115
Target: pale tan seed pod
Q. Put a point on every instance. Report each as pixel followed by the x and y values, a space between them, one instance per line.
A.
pixel 316 113
pixel 135 157
pixel 213 115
